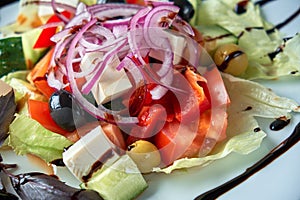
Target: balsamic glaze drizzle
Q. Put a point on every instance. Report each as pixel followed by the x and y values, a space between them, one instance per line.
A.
pixel 98 164
pixel 228 58
pixel 263 2
pixel 241 7
pixel 270 157
pixel 285 22
pixel 279 123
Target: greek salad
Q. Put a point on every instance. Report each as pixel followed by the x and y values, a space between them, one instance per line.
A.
pixel 114 91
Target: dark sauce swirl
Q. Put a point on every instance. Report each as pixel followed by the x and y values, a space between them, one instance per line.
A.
pixel 241 7
pixel 263 2
pixel 270 157
pixel 228 58
pixel 279 123
pixel 285 22
pixel 6 2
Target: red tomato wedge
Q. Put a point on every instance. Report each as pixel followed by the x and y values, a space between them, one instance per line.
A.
pixel 151 120
pixel 178 140
pixel 39 111
pixel 186 105
pixel 44 39
pixel 114 135
pixel 219 102
pixel 199 85
pixel 174 140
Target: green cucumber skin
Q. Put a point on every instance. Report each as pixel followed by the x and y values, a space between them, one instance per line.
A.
pixel 11 55
pixel 121 181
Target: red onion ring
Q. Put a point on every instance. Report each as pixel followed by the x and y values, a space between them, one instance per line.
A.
pixel 95 29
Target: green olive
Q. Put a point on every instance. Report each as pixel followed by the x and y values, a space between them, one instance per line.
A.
pixel 231 59
pixel 145 155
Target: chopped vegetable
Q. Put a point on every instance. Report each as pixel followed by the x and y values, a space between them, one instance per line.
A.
pixel 122 180
pixel 248 100
pixel 43 40
pixel 28 136
pixel 39 111
pixel 127 89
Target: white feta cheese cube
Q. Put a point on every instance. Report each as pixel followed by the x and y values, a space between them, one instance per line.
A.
pixel 178 45
pixel 112 83
pixel 92 149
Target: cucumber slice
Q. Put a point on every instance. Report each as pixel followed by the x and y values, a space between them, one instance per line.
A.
pixel 11 55
pixel 17 53
pixel 120 181
pixel 31 55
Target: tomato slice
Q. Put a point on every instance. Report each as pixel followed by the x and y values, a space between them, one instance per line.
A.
pixel 39 111
pixel 174 140
pixel 44 39
pixel 114 135
pixel 186 103
pixel 140 97
pixel 216 88
pixel 151 120
pixel 219 103
pixel 199 85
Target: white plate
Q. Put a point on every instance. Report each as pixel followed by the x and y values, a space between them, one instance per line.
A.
pixel 280 180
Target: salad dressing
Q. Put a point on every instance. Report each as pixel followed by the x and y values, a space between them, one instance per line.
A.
pixel 248 108
pixel 285 22
pixel 58 162
pixel 240 7
pixel 270 157
pixel 279 123
pixel 98 164
pixel 228 58
pixel 273 54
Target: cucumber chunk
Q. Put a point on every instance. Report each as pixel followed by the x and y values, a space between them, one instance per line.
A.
pixel 17 52
pixel 120 181
pixel 11 55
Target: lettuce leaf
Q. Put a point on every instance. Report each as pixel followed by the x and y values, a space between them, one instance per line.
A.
pixel 221 12
pixel 285 63
pixel 28 136
pixel 248 100
pixel 23 90
pixel 250 30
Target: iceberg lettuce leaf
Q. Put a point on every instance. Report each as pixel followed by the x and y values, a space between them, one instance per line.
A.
pixel 28 136
pixel 251 32
pixel 222 13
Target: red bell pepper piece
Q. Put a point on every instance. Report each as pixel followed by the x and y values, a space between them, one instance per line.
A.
pixel 44 39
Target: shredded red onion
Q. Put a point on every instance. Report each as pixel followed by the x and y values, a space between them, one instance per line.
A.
pixel 90 83
pixel 56 11
pixel 58 5
pixel 117 30
pixel 183 26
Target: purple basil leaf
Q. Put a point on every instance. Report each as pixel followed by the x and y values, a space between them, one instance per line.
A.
pixel 41 186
